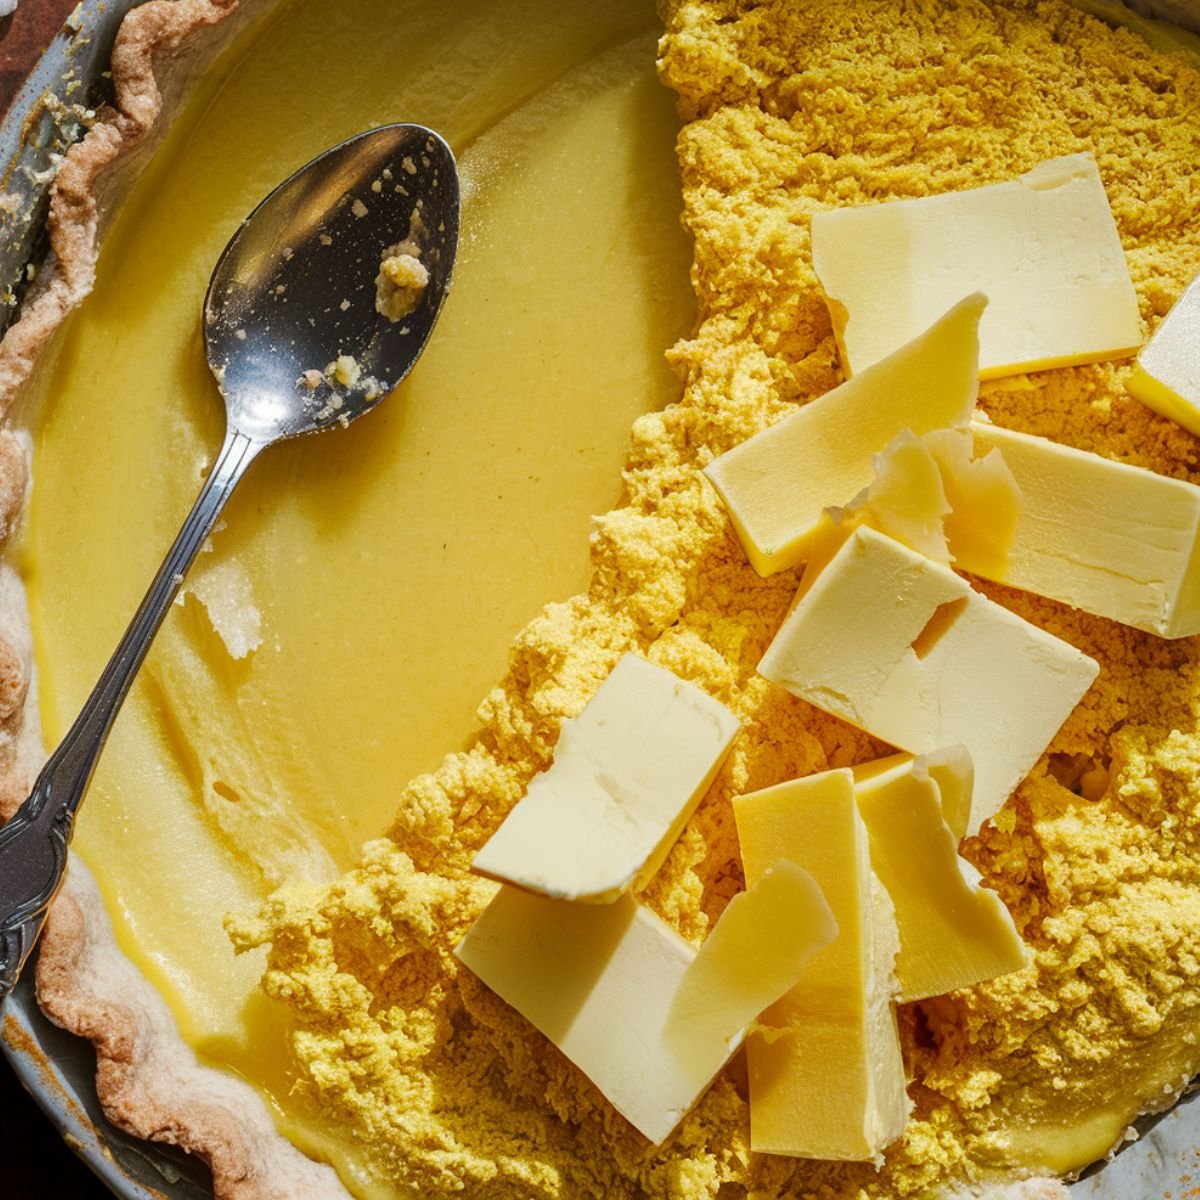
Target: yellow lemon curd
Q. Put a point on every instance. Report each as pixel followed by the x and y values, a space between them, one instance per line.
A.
pixel 384 569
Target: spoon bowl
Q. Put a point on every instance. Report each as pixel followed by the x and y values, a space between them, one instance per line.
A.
pixel 295 288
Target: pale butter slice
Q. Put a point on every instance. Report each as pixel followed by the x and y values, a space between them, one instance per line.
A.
pixel 1105 537
pixel 932 495
pixel 903 648
pixel 1044 248
pixel 1167 375
pixel 623 996
pixel 627 774
pixel 826 1075
pixel 776 484
pixel 954 932
pixel 906 499
pixel 757 950
pixel 984 500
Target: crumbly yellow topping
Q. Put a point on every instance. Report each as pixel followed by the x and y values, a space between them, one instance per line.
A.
pixel 401 281
pixel 344 369
pixel 791 108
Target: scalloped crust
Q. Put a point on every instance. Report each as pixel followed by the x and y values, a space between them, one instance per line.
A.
pixel 148 1080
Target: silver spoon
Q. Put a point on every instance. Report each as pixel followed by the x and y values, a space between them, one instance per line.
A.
pixel 293 293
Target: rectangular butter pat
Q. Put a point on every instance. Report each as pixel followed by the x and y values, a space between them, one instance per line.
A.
pixel 1167 375
pixel 954 932
pixel 627 774
pixel 902 647
pixel 599 981
pixel 776 484
pixel 1044 248
pixel 649 1020
pixel 1105 537
pixel 826 1079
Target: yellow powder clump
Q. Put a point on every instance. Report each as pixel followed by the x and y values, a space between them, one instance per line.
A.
pixel 401 281
pixel 792 108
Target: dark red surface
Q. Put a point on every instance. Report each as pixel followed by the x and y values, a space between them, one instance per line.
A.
pixel 23 37
pixel 35 1163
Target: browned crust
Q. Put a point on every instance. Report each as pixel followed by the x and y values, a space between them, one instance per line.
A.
pixel 148 1081
pixel 149 38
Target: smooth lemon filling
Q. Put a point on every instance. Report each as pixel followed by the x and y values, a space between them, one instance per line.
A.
pixel 359 601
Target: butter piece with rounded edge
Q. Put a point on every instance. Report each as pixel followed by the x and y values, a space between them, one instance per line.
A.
pixel 756 952
pixel 826 1074
pixel 1043 247
pixel 953 771
pixel 1106 537
pixel 905 649
pixel 954 932
pixel 627 774
pixel 621 994
pixel 1167 374
pixel 777 484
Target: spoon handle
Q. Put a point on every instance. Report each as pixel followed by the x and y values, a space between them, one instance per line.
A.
pixel 33 843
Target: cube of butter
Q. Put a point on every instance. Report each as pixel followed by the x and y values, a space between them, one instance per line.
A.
pixel 1167 375
pixel 954 932
pixel 826 1076
pixel 1105 537
pixel 902 647
pixel 648 1019
pixel 627 774
pixel 1043 247
pixel 777 484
